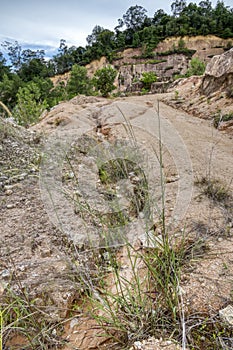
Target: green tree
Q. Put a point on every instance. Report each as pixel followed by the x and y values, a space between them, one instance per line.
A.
pixel 148 78
pixel 177 7
pixel 134 17
pixel 4 69
pixel 35 67
pixel 136 40
pixel 103 80
pixel 79 82
pixel 9 86
pixel 14 51
pixel 148 36
pixel 100 43
pixel 57 94
pixel 30 104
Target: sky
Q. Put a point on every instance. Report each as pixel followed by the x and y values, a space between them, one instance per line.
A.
pixel 40 24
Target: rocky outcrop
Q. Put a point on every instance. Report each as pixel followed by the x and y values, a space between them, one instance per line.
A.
pixel 218 74
pixel 164 67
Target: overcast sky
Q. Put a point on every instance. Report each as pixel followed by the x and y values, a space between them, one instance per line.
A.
pixel 42 23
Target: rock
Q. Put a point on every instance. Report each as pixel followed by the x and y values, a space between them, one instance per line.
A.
pixel 226 315
pixel 155 344
pixel 10 206
pixel 8 192
pixel 160 87
pixel 218 74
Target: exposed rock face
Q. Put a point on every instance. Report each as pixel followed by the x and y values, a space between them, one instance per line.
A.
pixel 164 68
pixel 218 73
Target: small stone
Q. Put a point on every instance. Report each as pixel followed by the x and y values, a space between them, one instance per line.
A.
pixel 226 315
pixel 23 176
pixel 8 192
pixel 5 273
pixel 46 253
pixel 10 206
pixel 74 322
pixel 137 345
pixel 3 178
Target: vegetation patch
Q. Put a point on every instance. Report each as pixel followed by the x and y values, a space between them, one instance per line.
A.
pixel 222 118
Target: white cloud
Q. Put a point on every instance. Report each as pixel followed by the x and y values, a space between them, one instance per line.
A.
pixel 45 22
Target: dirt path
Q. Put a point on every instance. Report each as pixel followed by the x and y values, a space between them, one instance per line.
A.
pixel 40 255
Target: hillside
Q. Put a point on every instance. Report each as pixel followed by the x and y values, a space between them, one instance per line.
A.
pixel 130 63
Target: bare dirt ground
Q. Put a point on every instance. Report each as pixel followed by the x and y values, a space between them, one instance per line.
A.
pixel 37 256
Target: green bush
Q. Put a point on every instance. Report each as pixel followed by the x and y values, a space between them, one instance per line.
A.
pixel 79 82
pixel 197 67
pixel 148 78
pixel 30 104
pixel 103 80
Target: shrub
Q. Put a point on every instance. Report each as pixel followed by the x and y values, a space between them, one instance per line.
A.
pixel 103 80
pixel 222 118
pixel 30 104
pixel 148 78
pixel 197 67
pixel 79 82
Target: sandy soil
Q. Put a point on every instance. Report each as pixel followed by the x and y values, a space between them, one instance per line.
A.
pixel 39 253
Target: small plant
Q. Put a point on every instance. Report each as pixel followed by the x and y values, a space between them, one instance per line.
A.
pixel 79 82
pixel 148 78
pixel 213 189
pixel 222 118
pixel 209 333
pixel 176 92
pixel 197 67
pixel 21 316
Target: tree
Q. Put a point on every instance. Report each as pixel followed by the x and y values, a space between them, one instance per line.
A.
pixel 30 104
pixel 4 69
pixel 100 43
pixel 136 40
pixel 135 17
pixel 79 82
pixel 9 87
pixel 14 52
pixel 28 55
pixel 65 58
pixel 103 80
pixel 148 36
pixel 177 7
pixel 34 67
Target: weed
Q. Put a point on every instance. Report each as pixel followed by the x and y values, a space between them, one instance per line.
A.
pixel 213 189
pixel 176 92
pixel 144 299
pixel 218 118
pixel 209 333
pixel 20 316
